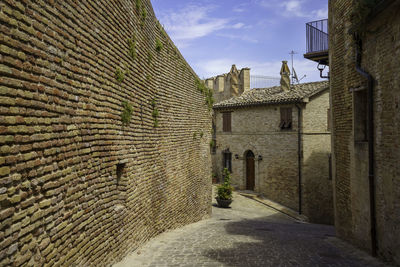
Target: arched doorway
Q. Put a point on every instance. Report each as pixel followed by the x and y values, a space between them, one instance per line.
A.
pixel 250 177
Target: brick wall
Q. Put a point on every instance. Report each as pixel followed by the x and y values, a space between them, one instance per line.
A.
pixel 62 199
pixel 316 141
pixel 380 58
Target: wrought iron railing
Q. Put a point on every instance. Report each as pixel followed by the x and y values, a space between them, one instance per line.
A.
pixel 317 36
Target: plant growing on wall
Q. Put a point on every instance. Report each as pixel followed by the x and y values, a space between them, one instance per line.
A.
pixel 143 16
pixel 127 112
pixel 132 48
pixel 155 113
pixel 138 5
pixel 159 45
pixel 201 87
pixel 209 98
pixel 212 143
pixel 119 75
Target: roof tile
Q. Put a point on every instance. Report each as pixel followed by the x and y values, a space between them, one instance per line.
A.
pixel 274 95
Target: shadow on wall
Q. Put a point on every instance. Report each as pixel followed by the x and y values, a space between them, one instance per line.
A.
pixel 268 242
pixel 317 189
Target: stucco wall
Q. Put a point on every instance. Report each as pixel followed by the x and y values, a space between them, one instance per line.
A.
pixel 61 134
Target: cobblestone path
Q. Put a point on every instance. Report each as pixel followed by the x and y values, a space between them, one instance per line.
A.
pixel 248 234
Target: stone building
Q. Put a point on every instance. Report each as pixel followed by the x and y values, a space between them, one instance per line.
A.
pixel 98 112
pixel 230 84
pixel 364 60
pixel 276 141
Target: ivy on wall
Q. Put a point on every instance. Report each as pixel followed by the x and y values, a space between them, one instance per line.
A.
pixel 207 92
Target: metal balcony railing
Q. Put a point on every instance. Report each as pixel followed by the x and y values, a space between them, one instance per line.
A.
pixel 317 36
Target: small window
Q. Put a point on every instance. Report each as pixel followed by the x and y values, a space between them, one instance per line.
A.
pixel 286 119
pixel 226 122
pixel 227 157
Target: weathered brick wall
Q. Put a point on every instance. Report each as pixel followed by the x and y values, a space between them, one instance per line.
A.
pixel 380 58
pixel 61 135
pixel 341 64
pixel 316 141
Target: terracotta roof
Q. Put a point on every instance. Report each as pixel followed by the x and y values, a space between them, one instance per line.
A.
pixel 274 95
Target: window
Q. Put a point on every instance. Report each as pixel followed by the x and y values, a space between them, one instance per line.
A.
pixel 227 157
pixel 286 118
pixel 329 122
pixel 226 122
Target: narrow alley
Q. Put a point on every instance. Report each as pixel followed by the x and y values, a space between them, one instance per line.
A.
pixel 248 234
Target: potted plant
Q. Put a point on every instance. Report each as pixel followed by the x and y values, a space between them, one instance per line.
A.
pixel 224 191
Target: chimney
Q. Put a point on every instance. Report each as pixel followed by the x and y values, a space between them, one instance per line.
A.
pixel 285 76
pixel 245 79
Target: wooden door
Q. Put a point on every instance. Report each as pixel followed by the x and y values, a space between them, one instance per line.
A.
pixel 250 179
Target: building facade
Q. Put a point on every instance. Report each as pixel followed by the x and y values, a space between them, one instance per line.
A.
pixel 276 141
pixel 365 92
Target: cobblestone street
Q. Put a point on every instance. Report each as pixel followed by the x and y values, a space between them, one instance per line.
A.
pixel 248 234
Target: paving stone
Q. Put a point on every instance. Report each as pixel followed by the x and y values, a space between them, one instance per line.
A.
pixel 248 234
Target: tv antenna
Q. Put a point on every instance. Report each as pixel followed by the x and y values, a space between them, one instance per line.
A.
pixel 294 74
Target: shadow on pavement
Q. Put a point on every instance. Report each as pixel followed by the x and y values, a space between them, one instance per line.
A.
pixel 268 242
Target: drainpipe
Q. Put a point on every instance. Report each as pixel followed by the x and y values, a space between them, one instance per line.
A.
pixel 299 153
pixel 371 169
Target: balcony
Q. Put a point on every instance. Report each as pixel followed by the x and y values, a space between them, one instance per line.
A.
pixel 317 41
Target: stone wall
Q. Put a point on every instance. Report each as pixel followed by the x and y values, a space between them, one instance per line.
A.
pixel 257 129
pixel 316 145
pixel 380 58
pixel 221 84
pixel 277 174
pixel 78 186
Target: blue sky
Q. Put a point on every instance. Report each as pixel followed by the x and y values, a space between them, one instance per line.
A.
pixel 259 34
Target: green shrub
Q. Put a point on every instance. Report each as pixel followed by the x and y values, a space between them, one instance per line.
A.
pixel 119 75
pixel 224 190
pixel 159 45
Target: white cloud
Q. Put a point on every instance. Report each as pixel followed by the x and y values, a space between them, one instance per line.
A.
pixel 210 68
pixel 295 8
pixel 192 22
pixel 238 25
pixel 320 13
